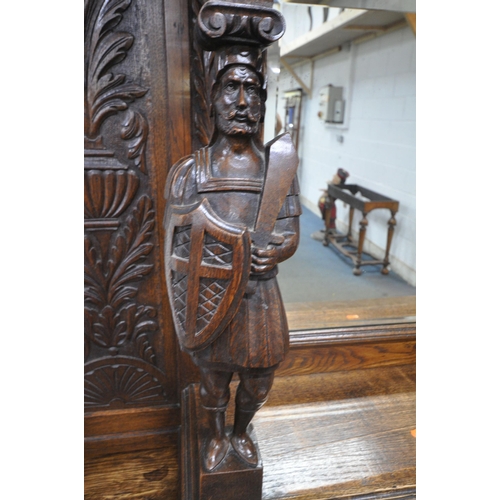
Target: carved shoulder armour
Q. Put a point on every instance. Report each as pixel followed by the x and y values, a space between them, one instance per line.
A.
pixel 181 181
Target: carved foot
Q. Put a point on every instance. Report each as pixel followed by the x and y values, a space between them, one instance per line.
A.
pixel 215 452
pixel 243 445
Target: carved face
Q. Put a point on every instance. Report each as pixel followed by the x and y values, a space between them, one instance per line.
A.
pixel 237 102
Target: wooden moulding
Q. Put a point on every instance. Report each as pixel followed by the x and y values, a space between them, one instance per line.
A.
pixel 349 348
pixel 115 431
pixel 231 480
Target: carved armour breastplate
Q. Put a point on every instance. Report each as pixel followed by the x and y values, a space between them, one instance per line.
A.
pixel 234 199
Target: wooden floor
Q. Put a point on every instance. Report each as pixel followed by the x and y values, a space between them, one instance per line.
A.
pixel 342 435
pixel 313 315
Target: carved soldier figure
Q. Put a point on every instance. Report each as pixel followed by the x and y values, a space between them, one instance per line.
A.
pixel 232 216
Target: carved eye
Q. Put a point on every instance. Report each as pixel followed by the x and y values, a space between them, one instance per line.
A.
pixel 252 89
pixel 231 86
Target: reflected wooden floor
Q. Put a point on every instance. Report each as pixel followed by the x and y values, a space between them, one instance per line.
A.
pixel 316 315
pixel 352 434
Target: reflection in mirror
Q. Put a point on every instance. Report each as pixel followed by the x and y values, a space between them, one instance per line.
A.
pixel 354 71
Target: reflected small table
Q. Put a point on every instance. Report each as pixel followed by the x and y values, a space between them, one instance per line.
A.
pixel 370 201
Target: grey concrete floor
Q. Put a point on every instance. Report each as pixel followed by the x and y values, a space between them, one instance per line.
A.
pixel 318 273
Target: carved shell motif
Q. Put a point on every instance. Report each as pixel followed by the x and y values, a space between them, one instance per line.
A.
pixel 108 193
pixel 121 381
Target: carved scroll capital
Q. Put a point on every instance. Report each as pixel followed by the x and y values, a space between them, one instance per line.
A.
pixel 221 23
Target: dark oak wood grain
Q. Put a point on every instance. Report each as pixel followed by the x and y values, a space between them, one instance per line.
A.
pixel 116 431
pixel 140 475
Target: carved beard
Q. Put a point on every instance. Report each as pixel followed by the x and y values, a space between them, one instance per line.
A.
pixel 238 123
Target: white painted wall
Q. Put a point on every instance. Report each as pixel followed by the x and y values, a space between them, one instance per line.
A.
pixel 298 21
pixel 378 136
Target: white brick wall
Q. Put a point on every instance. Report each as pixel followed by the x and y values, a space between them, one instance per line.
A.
pixel 378 147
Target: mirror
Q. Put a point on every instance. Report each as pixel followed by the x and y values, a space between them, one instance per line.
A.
pixel 345 79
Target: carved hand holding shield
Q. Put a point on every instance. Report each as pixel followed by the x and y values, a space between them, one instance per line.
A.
pixel 207 265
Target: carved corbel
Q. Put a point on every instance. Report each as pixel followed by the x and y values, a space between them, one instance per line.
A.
pixel 221 23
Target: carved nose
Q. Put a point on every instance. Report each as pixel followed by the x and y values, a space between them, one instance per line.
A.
pixel 241 98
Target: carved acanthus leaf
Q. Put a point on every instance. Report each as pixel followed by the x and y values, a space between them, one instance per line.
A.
pixel 128 253
pixel 109 284
pixel 110 328
pixel 106 93
pixel 135 129
pixel 112 316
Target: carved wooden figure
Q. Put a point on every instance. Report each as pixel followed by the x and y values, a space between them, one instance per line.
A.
pixel 231 218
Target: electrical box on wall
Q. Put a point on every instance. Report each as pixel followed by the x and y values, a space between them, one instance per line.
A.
pixel 331 104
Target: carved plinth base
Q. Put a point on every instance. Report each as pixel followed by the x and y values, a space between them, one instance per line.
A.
pixel 231 480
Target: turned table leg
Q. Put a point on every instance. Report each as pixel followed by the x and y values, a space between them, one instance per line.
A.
pixel 349 231
pixel 327 208
pixel 362 231
pixel 390 232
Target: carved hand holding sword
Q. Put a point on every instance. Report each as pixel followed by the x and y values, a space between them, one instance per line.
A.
pixel 279 176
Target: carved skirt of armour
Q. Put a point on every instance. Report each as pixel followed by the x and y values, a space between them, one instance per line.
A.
pixel 257 336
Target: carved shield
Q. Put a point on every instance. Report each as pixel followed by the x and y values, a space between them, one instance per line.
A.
pixel 207 264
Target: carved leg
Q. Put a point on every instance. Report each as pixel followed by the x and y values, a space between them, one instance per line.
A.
pixel 241 441
pixel 214 395
pixel 251 395
pixel 362 231
pixel 390 232
pixel 218 443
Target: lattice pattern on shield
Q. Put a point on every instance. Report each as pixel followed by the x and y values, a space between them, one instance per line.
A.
pixel 215 252
pixel 182 241
pixel 211 293
pixel 179 286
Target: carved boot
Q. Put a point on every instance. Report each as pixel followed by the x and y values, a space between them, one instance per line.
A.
pixel 240 439
pixel 217 443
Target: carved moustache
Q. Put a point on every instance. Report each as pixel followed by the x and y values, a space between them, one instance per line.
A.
pixel 250 117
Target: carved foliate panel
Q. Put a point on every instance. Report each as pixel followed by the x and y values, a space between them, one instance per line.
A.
pixel 126 360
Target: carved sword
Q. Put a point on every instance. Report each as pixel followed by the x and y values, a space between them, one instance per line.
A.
pixel 282 163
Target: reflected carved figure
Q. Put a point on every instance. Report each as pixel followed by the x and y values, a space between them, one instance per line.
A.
pixel 231 218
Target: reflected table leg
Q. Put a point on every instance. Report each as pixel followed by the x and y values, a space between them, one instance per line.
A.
pixel 362 231
pixel 390 232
